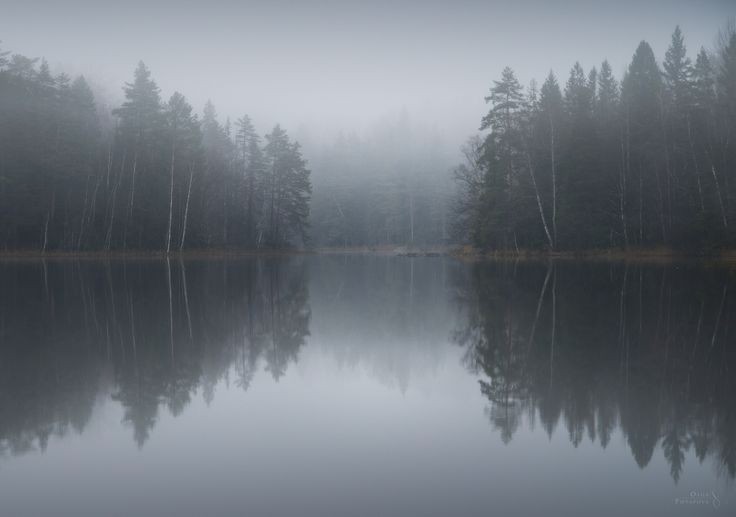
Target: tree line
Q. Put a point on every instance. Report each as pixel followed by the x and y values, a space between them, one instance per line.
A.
pixel 149 175
pixel 644 161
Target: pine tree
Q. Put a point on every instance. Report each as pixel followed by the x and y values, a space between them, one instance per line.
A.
pixel 218 160
pixel 289 189
pixel 3 57
pixel 641 90
pixel 727 101
pixel 727 80
pixel 82 139
pixel 500 156
pixel 22 67
pixel 677 71
pixel 611 146
pixel 608 95
pixel 158 179
pixel 581 212
pixel 139 132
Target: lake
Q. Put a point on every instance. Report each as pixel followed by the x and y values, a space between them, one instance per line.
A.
pixel 366 385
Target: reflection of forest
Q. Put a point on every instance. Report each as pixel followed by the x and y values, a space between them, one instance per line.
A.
pixel 642 348
pixel 148 332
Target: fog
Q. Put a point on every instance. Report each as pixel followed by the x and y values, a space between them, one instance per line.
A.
pixel 342 124
pixel 375 257
pixel 324 66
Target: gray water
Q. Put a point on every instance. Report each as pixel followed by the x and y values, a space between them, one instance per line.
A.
pixel 366 386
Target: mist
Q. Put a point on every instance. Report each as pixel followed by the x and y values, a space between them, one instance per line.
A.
pixel 359 258
pixel 329 66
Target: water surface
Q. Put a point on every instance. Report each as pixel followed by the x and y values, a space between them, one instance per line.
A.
pixel 366 386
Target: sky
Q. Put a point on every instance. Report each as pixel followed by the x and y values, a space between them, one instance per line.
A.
pixel 323 66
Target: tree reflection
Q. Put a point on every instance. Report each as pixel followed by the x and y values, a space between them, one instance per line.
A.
pixel 149 333
pixel 600 346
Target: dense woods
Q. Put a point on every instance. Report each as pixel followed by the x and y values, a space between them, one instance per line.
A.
pixel 597 162
pixel 149 175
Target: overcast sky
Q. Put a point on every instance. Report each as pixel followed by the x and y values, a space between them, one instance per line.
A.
pixel 328 64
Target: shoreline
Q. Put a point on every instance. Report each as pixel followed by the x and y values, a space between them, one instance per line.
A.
pixel 658 255
pixel 225 253
pixel 460 253
pixel 145 255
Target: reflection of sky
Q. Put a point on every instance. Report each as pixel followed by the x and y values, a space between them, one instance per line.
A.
pixel 326 440
pixel 379 416
pixel 395 326
pixel 383 422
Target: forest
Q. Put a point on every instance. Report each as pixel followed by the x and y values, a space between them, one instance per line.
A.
pixel 644 161
pixel 149 175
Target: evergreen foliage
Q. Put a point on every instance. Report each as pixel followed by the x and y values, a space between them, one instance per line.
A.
pixel 157 178
pixel 647 162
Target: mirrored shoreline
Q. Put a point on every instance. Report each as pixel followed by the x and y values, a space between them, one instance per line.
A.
pixel 597 352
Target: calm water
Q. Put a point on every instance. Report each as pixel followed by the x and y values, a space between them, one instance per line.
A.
pixel 366 386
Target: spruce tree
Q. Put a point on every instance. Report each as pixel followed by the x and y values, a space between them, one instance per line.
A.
pixel 640 93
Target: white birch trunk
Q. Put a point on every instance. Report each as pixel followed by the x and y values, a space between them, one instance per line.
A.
pixel 171 194
pixel 186 208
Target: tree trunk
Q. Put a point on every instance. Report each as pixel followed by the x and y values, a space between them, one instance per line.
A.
pixel 93 204
pixel 49 214
pixel 411 217
pixel 697 165
pixel 46 232
pixel 249 212
pixel 554 181
pixel 132 195
pixel 84 213
pixel 641 206
pixel 108 237
pixel 718 191
pixel 539 201
pixel 186 207
pixel 622 194
pixel 109 163
pixel 171 193
pixel 660 198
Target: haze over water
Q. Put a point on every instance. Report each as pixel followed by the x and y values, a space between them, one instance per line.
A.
pixel 365 385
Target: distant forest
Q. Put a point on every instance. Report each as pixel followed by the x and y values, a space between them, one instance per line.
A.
pixel 391 187
pixel 647 161
pixel 152 177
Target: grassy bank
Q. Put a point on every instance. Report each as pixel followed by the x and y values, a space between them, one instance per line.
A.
pixel 663 255
pixel 148 254
pixel 225 253
pixel 469 253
